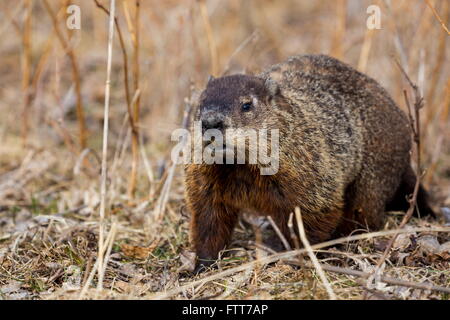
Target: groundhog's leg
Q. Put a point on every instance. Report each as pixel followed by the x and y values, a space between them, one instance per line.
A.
pixel 211 228
pixel 365 203
pixel 405 190
pixel 362 214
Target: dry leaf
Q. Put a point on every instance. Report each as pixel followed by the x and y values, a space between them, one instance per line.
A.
pixel 444 251
pixel 446 213
pixel 380 244
pixel 187 259
pixel 429 244
pixel 445 247
pixel 136 252
pixel 402 242
pixel 122 286
pixel 73 281
pixel 11 287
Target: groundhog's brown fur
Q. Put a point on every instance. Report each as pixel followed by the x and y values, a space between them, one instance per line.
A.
pixel 344 153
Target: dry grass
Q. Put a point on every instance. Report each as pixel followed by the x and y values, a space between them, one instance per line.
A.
pixel 52 93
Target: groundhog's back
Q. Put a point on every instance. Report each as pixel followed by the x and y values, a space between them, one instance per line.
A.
pixel 349 114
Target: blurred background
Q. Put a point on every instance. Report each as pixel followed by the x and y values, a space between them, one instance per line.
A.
pixel 52 84
pixel 180 43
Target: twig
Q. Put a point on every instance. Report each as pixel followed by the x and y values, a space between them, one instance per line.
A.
pixel 396 36
pixel 365 275
pixel 251 38
pixel 278 232
pixel 312 256
pixel 113 232
pixel 105 145
pixel 438 69
pixel 148 168
pixel 74 210
pixel 437 16
pixel 62 132
pixel 292 231
pixel 339 30
pixel 121 145
pixel 75 74
pixel 291 254
pixel 87 270
pixel 164 196
pixel 210 37
pixel 95 268
pixel 26 71
pixel 11 18
pixel 125 62
pixel 365 50
pixel 81 158
pixel 136 105
pixel 415 127
pixel 130 103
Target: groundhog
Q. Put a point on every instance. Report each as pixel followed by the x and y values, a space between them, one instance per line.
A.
pixel 344 154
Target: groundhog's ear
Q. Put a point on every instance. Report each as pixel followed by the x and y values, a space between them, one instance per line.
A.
pixel 272 87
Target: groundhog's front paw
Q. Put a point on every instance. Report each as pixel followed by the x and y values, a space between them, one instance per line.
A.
pixel 203 265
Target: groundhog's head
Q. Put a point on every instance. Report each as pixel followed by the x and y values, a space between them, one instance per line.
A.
pixel 237 101
pixel 236 113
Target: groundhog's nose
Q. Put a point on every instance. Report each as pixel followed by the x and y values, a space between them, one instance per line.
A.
pixel 212 121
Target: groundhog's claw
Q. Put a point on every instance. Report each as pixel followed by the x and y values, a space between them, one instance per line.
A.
pixel 202 266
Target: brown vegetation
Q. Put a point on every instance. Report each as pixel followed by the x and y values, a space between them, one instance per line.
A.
pixel 52 95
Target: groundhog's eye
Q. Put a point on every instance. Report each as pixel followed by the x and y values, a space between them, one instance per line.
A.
pixel 246 106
